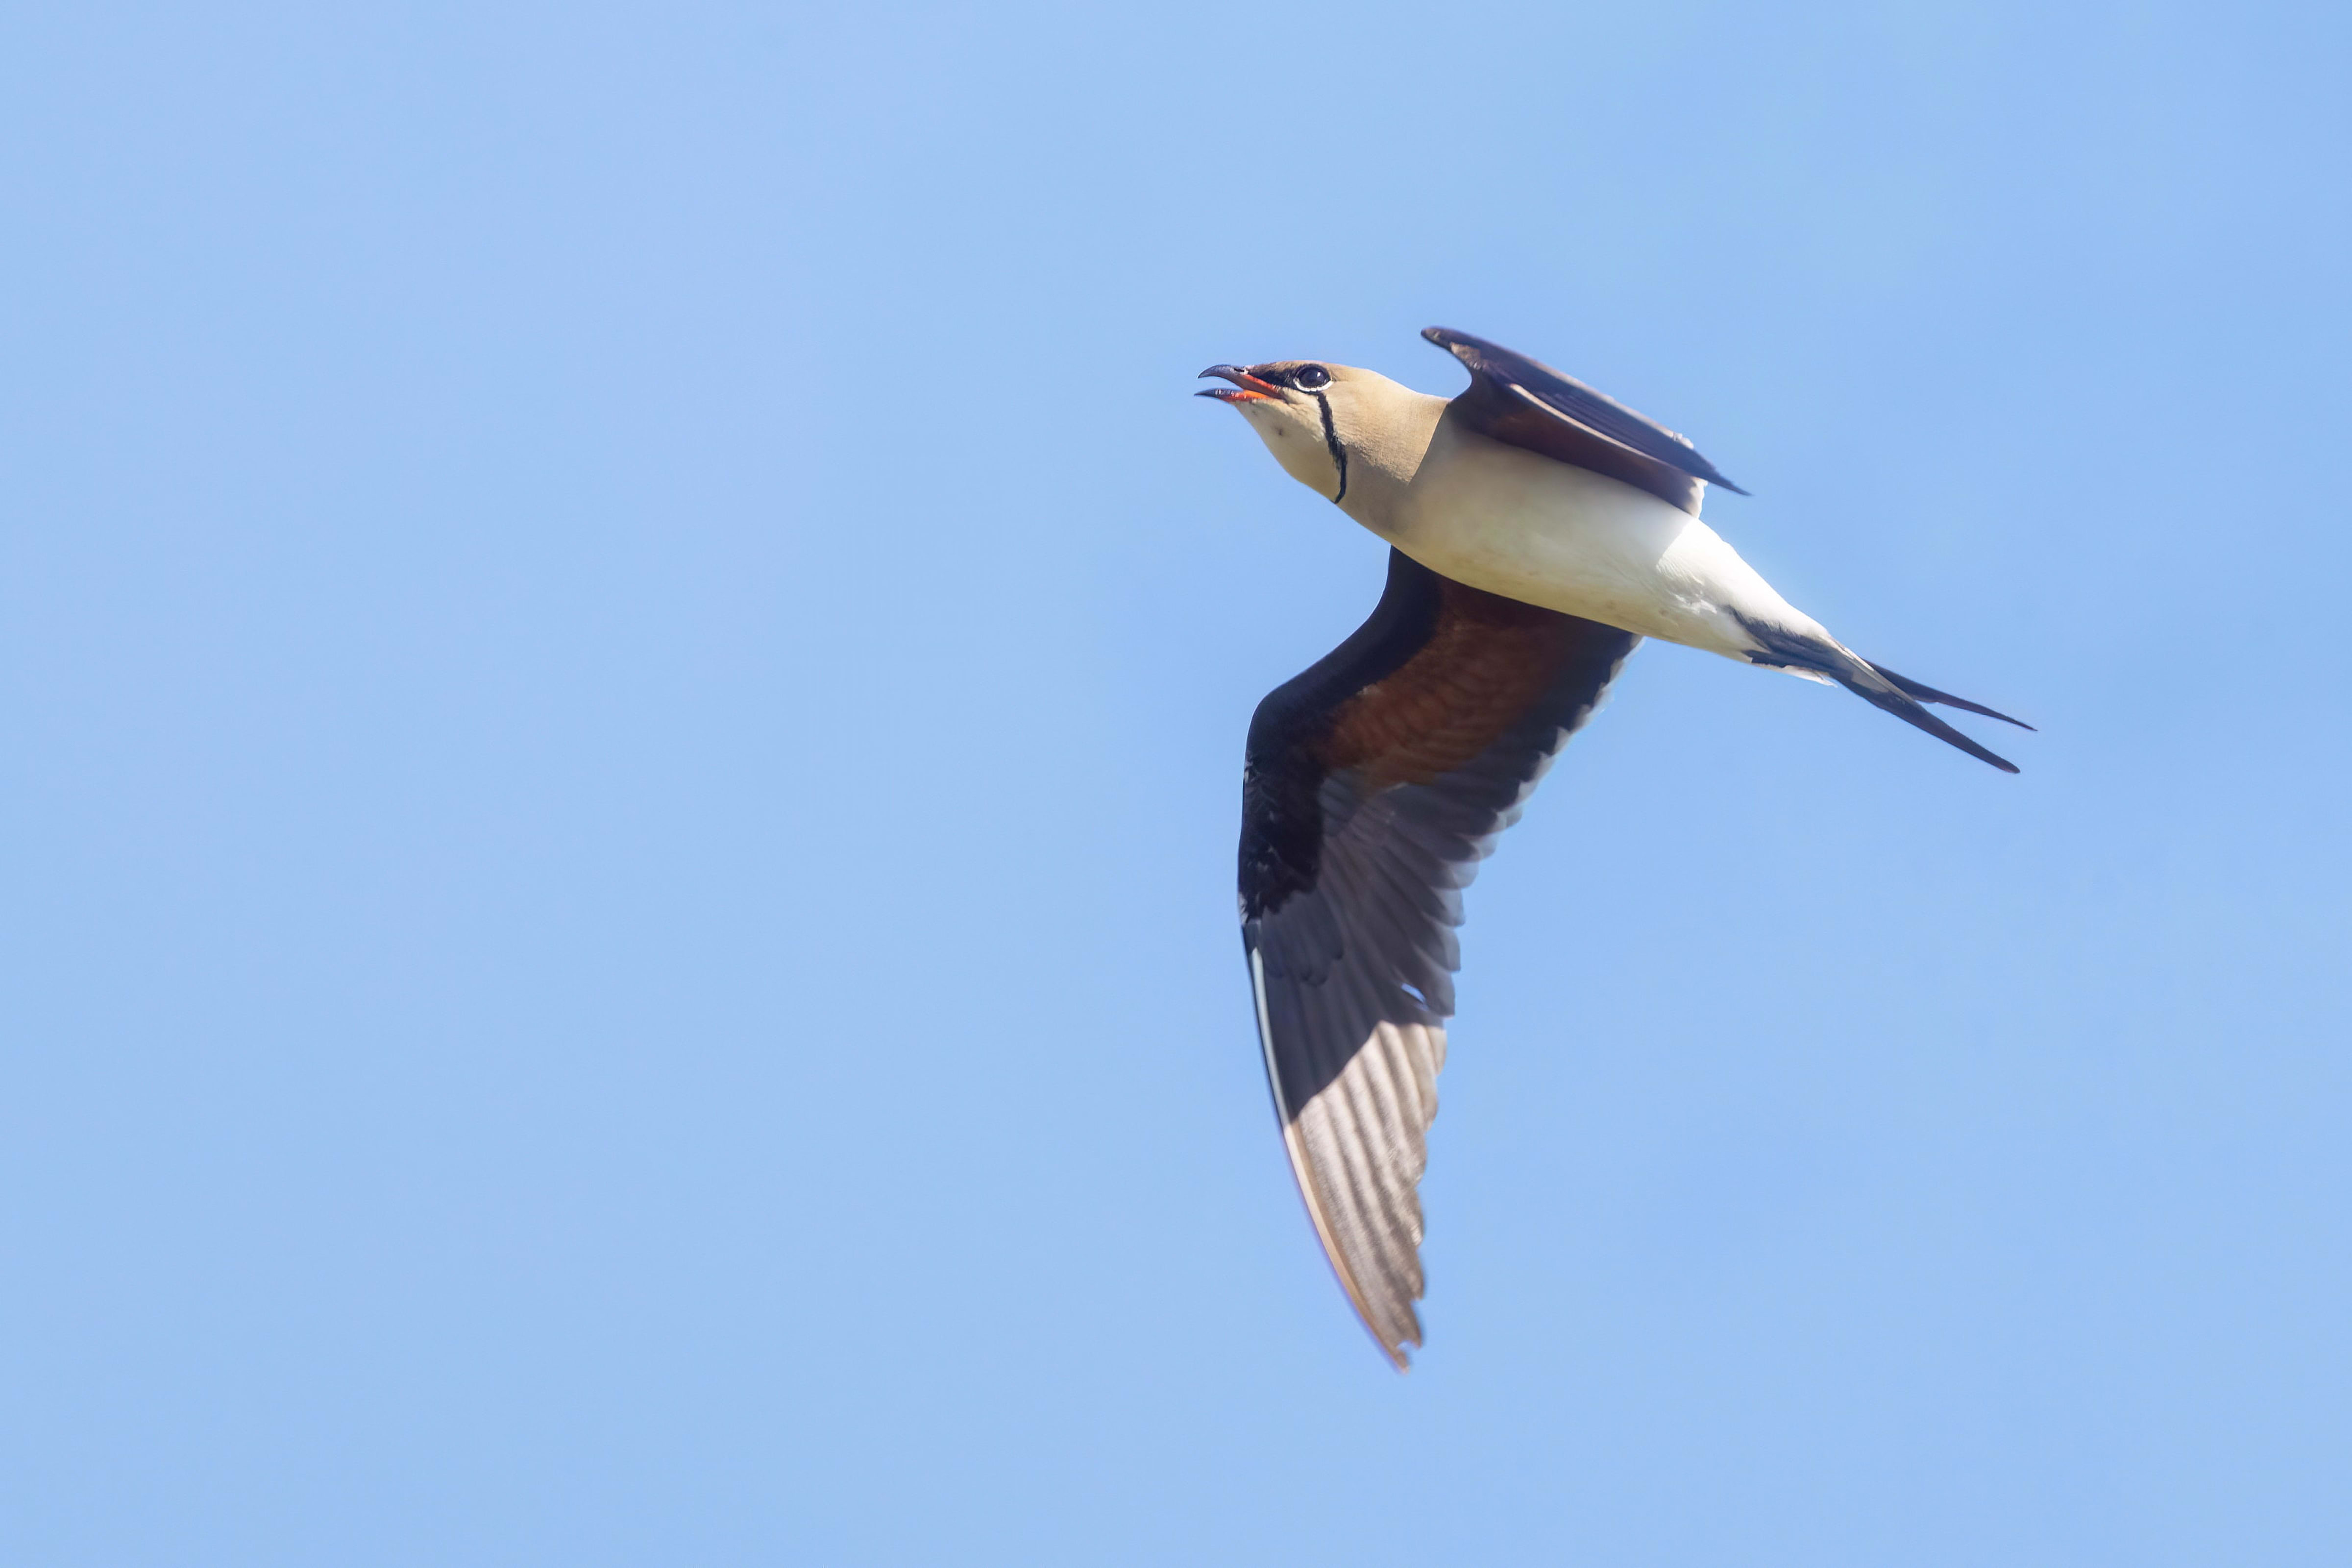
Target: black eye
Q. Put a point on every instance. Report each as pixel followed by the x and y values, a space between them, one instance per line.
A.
pixel 1310 377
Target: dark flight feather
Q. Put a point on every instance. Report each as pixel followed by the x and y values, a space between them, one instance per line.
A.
pixel 1527 403
pixel 1375 782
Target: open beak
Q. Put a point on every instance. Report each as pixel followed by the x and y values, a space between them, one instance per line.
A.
pixel 1246 388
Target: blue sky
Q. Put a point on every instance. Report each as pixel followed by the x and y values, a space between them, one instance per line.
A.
pixel 625 657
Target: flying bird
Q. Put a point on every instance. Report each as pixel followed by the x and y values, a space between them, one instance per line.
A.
pixel 1537 531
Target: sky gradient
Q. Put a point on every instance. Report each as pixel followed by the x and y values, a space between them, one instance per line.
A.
pixel 625 654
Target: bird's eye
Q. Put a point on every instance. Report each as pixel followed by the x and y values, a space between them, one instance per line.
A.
pixel 1310 377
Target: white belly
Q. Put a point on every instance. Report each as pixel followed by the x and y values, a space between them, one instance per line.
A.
pixel 1517 524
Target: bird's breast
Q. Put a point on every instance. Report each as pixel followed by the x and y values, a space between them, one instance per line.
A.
pixel 1543 532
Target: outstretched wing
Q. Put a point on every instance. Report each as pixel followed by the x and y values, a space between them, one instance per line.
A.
pixel 1517 400
pixel 1375 783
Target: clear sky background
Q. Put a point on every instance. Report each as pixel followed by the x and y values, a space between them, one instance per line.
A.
pixel 625 657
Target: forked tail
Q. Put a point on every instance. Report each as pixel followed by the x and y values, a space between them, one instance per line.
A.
pixel 1873 683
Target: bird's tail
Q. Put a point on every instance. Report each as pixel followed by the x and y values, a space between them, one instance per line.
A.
pixel 1875 684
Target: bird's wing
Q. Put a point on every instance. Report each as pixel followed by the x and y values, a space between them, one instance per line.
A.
pixel 1517 400
pixel 1375 783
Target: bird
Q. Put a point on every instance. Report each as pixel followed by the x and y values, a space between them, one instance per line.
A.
pixel 1537 531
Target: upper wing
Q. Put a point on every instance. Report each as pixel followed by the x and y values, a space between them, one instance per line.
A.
pixel 1375 783
pixel 1516 400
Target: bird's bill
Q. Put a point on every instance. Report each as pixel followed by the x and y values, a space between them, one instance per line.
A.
pixel 1246 388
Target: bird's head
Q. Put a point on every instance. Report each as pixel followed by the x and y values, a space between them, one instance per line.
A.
pixel 1313 415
